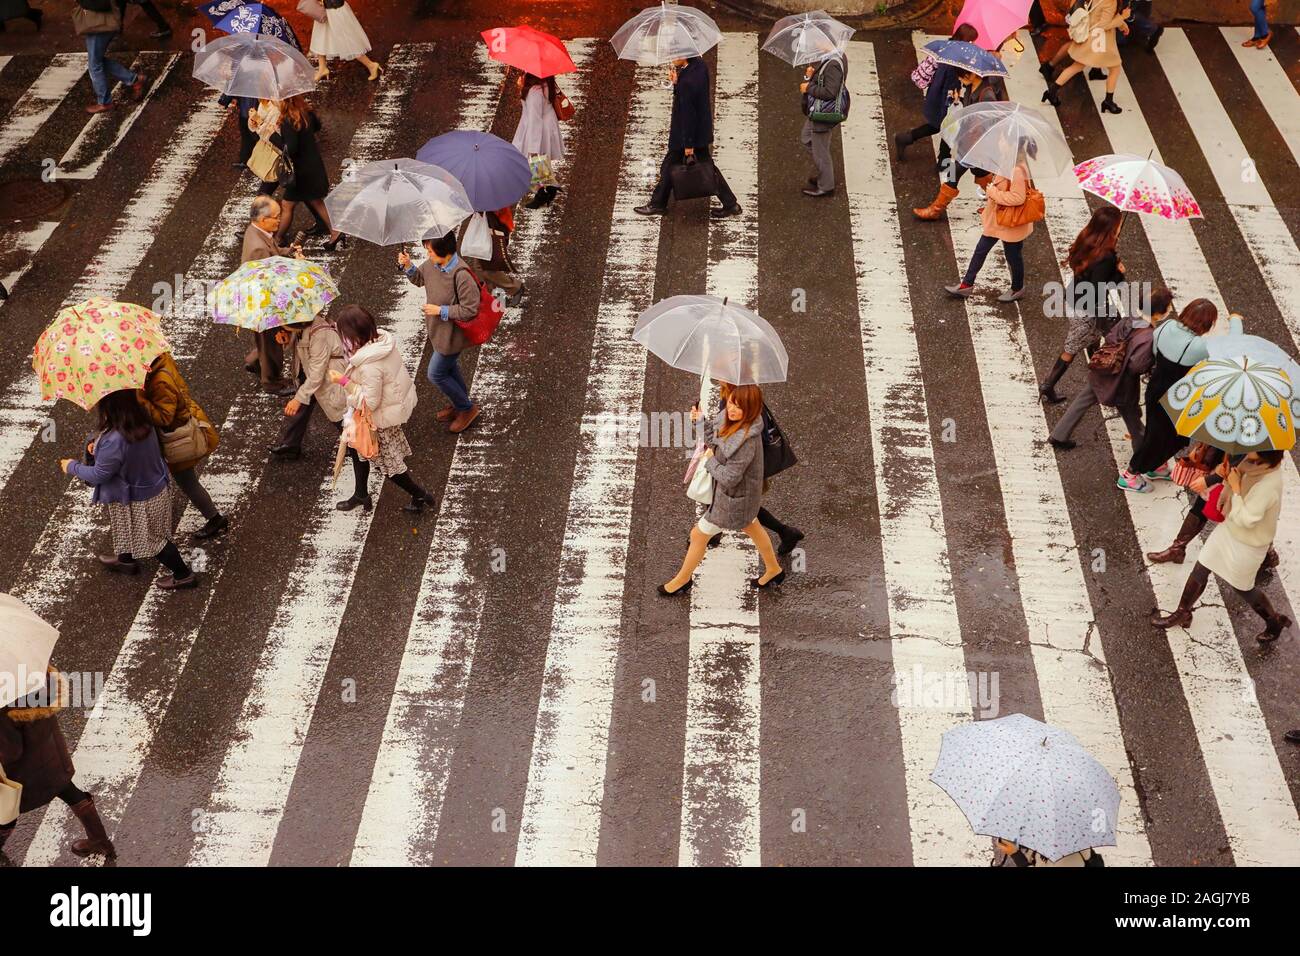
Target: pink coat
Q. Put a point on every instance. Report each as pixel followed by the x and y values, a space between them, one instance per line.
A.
pixel 1006 192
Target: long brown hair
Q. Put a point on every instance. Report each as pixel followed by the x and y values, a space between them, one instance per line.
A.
pixel 1099 237
pixel 548 86
pixel 296 110
pixel 356 327
pixel 750 400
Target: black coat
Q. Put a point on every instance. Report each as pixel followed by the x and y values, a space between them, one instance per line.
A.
pixel 691 126
pixel 310 181
pixel 33 751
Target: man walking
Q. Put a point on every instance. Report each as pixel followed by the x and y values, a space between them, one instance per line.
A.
pixel 823 82
pixel 259 243
pixel 99 22
pixel 690 133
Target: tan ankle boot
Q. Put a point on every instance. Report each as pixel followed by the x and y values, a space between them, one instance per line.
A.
pixel 933 211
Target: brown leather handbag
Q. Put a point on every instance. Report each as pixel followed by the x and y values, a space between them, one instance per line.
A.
pixel 1033 209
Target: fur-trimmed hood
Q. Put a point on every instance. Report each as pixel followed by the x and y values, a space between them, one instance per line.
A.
pixel 53 699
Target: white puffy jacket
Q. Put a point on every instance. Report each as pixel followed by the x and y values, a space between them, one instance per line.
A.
pixel 378 373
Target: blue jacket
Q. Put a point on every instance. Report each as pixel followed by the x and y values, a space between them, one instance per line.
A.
pixel 937 100
pixel 691 126
pixel 124 471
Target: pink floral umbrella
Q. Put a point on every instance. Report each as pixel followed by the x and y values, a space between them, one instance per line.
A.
pixel 1138 184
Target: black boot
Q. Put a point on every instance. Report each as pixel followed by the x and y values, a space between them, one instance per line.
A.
pixel 1047 70
pixel 1050 95
pixel 1108 104
pixel 1096 74
pixel 901 142
pixel 1048 389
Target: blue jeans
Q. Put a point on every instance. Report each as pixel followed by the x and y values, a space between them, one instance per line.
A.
pixel 99 64
pixel 1261 18
pixel 444 371
pixel 1015 260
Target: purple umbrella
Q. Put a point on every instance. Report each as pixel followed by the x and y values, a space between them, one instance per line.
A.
pixel 493 172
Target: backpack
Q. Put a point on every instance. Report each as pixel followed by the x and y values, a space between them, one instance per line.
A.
pixel 480 328
pixel 1076 24
pixel 831 111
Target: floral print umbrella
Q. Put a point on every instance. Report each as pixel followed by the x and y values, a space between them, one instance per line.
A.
pixel 1237 404
pixel 267 293
pixel 96 347
pixel 1138 184
pixel 1020 779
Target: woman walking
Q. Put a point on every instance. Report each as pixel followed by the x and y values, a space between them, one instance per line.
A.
pixel 1178 344
pixel 940 92
pixel 295 136
pixel 1263 34
pixel 1251 502
pixel 341 36
pixel 735 464
pixel 166 400
pixel 34 753
pixel 1096 266
pixel 538 132
pixel 317 350
pixel 1098 50
pixel 973 89
pixel 127 471
pixel 375 373
pixel 1002 193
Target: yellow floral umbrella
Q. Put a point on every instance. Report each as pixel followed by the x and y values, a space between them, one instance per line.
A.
pixel 1236 404
pixel 267 293
pixel 96 347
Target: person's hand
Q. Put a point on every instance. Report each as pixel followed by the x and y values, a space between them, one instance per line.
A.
pixel 292 408
pixel 1120 267
pixel 404 259
pixel 695 412
pixel 431 310
pixel 803 87
pixel 63 464
pixel 1234 481
pixel 808 72
pixel 1198 485
pixel 297 250
pixel 90 448
pixel 1223 469
pixel 335 376
pixel 690 150
pixel 1123 27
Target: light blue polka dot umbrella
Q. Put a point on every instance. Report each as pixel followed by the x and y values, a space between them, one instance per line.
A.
pixel 1020 779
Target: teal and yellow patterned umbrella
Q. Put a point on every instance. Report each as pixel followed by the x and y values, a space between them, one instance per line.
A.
pixel 1237 404
pixel 268 293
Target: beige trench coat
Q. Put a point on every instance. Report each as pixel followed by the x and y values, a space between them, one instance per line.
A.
pixel 1099 49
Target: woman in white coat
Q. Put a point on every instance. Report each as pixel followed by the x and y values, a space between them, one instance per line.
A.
pixel 538 133
pixel 377 374
pixel 1251 502
pixel 340 35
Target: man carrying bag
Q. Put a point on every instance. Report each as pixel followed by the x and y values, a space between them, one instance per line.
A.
pixel 826 105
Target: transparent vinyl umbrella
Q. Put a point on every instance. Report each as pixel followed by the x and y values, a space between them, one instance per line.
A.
pixel 26 642
pixel 254 65
pixel 994 136
pixel 666 32
pixel 807 37
pixel 398 201
pixel 705 335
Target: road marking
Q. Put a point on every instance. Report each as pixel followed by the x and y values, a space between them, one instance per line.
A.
pixel 40 101
pixel 22 246
pixel 92 146
pixel 1268 78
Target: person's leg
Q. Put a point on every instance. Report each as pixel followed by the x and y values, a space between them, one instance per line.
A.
pixel 286 221
pixel 982 248
pixel 96 45
pixel 1193 589
pixel 189 484
pixel 822 156
pixel 96 840
pixel 725 195
pixel 1079 407
pixel 267 364
pixel 1014 251
pixel 806 141
pixel 1260 14
pixel 444 372
pixel 1112 82
pixel 72 794
pixel 771 566
pixel 164 28
pixel 419 497
pixel 1274 623
pixel 360 481
pixel 789 535
pixel 1193 522
pixel 115 69
pixel 170 557
pixel 1132 415
pixel 694 555
pixel 664 187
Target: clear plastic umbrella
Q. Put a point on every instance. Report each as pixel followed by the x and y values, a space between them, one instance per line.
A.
pixel 398 201
pixel 26 642
pixel 807 37
pixel 710 336
pixel 254 65
pixel 992 136
pixel 667 32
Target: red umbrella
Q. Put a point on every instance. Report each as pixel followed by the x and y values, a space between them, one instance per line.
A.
pixel 529 50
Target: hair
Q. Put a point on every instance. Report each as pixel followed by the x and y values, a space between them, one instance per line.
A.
pixel 444 245
pixel 750 400
pixel 1162 300
pixel 1097 238
pixel 1271 457
pixel 121 411
pixel 296 110
pixel 967 33
pixel 262 207
pixel 356 327
pixel 1199 315
pixel 530 81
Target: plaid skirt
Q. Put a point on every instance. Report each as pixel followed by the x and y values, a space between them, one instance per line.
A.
pixel 142 528
pixel 393 451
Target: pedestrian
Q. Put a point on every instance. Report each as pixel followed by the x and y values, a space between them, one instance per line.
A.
pixel 451 296
pixel 1250 502
pixel 734 461
pixel 538 133
pixel 99 22
pixel 972 88
pixel 940 93
pixel 823 82
pixel 162 29
pixel 1142 30
pixel 295 136
pixel 20 10
pixel 182 425
pixel 1002 193
pixel 126 468
pixel 376 374
pixel 266 356
pixel 34 753
pixel 1098 50
pixel 1096 268
pixel 690 134
pixel 1263 33
pixel 1178 344
pixel 1037 19
pixel 1011 853
pixel 497 270
pixel 244 105
pixel 317 350
pixel 341 36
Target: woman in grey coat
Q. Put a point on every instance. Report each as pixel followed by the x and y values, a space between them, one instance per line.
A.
pixel 734 441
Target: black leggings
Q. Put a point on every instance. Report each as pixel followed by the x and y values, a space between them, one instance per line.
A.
pixel 71 795
pixel 361 477
pixel 1256 598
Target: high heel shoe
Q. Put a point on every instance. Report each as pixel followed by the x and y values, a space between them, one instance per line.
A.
pixel 664 592
pixel 330 244
pixel 1050 96
pixel 374 74
pixel 1108 105
pixel 321 74
pixel 758 582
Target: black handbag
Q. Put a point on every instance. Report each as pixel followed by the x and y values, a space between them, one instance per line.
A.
pixel 694 179
pixel 777 453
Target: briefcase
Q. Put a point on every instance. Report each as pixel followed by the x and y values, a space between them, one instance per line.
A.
pixel 694 179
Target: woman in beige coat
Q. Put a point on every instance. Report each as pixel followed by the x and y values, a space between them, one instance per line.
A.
pixel 1251 502
pixel 316 350
pixel 1100 50
pixel 1001 191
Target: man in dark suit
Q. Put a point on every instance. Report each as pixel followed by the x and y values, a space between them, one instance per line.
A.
pixel 259 243
pixel 690 133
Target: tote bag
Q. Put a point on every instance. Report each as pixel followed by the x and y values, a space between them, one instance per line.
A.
pixel 11 798
pixel 700 487
pixel 477 243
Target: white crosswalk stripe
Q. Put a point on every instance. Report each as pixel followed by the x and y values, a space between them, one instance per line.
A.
pixel 40 101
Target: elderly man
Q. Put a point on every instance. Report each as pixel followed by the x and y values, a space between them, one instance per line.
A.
pixel 259 243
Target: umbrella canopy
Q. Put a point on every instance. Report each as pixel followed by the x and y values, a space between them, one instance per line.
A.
pixel 994 136
pixel 808 37
pixel 994 19
pixel 26 643
pixel 1138 184
pixel 398 200
pixel 254 65
pixel 668 32
pixel 493 172
pixel 1020 779
pixel 529 50
pixel 236 16
pixel 710 336
pixel 967 56
pixel 96 347
pixel 1254 347
pixel 1236 404
pixel 267 293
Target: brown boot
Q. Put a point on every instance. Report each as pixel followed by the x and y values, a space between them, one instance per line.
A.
pixel 1179 617
pixel 446 414
pixel 97 840
pixel 1176 552
pixel 1273 629
pixel 463 419
pixel 933 211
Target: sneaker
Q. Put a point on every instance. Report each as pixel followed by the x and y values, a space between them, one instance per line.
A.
pixel 1163 473
pixel 1127 481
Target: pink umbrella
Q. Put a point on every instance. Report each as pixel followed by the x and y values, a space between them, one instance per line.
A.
pixel 995 19
pixel 1138 184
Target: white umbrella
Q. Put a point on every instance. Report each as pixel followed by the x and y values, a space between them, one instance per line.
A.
pixel 254 65
pixel 26 642
pixel 1019 779
pixel 991 136
pixel 398 201
pixel 668 32
pixel 710 336
pixel 808 37
pixel 1256 348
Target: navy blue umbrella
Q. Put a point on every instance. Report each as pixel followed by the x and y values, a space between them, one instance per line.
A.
pixel 493 172
pixel 967 56
pixel 237 16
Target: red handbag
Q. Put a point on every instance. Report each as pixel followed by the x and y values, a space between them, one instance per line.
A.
pixel 564 108
pixel 480 328
pixel 1211 508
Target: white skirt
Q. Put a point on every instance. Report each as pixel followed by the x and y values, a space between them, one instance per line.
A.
pixel 1231 560
pixel 341 35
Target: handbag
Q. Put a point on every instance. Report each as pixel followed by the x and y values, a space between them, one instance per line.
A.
pixel 924 72
pixel 490 309
pixel 269 164
pixel 830 111
pixel 1211 508
pixel 700 487
pixel 777 453
pixel 188 442
pixel 359 431
pixel 1190 466
pixel 477 243
pixel 540 172
pixel 1033 209
pixel 11 799
pixel 1108 358
pixel 313 9
pixel 694 179
pixel 564 108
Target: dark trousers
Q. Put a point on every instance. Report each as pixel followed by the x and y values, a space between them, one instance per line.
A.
pixel 952 170
pixel 1015 260
pixel 189 483
pixel 150 10
pixel 922 131
pixel 71 795
pixel 664 188
pixel 1036 16
pixel 267 354
pixel 295 426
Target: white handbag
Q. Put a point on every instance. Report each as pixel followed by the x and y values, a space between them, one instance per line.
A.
pixel 701 486
pixel 11 798
pixel 477 243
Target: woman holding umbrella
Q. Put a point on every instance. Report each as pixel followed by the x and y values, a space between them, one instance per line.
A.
pixel 1098 50
pixel 973 88
pixel 295 135
pixel 538 133
pixel 940 92
pixel 1002 192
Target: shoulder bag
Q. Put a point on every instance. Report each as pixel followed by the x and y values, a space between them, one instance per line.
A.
pixel 269 164
pixel 480 328
pixel 777 453
pixel 11 799
pixel 564 108
pixel 830 111
pixel 1033 209
pixel 700 486
pixel 189 441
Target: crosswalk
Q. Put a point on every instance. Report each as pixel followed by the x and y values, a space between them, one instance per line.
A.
pixel 498 683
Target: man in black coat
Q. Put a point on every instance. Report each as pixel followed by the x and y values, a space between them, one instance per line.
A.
pixel 690 133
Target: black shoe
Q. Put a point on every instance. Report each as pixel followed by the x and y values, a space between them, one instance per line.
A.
pixel 1050 96
pixel 1293 736
pixel 650 210
pixel 789 538
pixel 1096 74
pixel 316 231
pixel 901 142
pixel 715 540
pixel 1155 38
pixel 286 452
pixel 1047 70
pixel 1062 443
pixel 4 293
pixel 213 527
pixel 1108 105
pixel 363 501
pixel 725 211
pixel 340 240
pixel 253 368
pixel 664 592
pixel 819 193
pixel 755 582
pixel 416 505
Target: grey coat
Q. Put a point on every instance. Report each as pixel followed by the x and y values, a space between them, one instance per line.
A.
pixel 737 470
pixel 826 84
pixel 455 289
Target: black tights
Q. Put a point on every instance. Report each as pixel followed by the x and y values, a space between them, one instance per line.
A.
pixel 361 479
pixel 71 795
pixel 1256 598
pixel 170 557
pixel 315 206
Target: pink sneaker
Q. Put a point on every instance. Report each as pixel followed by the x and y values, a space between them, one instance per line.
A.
pixel 1163 473
pixel 1131 482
